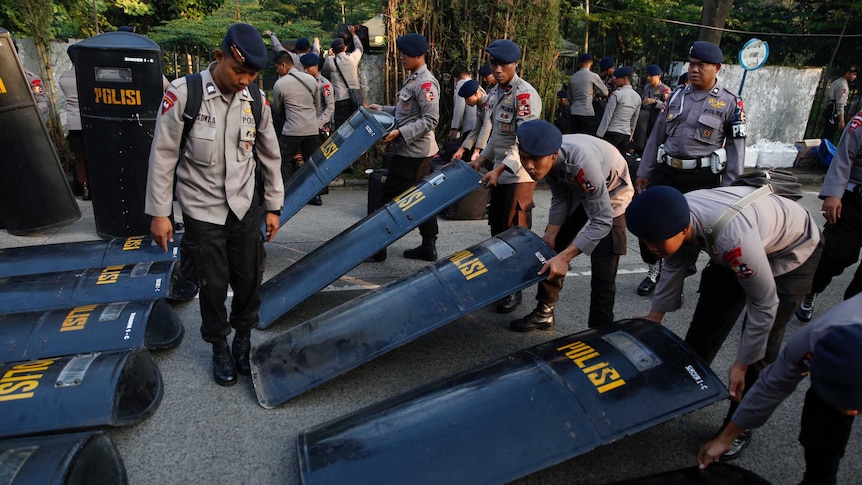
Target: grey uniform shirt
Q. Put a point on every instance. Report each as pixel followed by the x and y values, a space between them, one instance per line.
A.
pixel 839 91
pixel 69 86
pixel 416 115
pixel 508 107
pixel 582 87
pixel 589 172
pixel 277 47
pixel 349 64
pixel 215 172
pixel 621 113
pixel 846 166
pixel 463 116
pixel 478 136
pixel 771 237
pixel 779 380
pixel 38 90
pixel 695 124
pixel 327 101
pixel 296 99
pixel 659 92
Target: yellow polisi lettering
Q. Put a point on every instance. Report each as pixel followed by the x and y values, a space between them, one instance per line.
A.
pixel 328 148
pixel 133 243
pixel 2 86
pixel 110 275
pixel 408 199
pixel 21 380
pixel 601 374
pixel 127 97
pixel 77 318
pixel 469 265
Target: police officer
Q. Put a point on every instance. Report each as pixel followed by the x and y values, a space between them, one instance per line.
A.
pixel 486 76
pixel 591 188
pixel 412 141
pixel 216 190
pixel 511 102
pixel 37 88
pixel 476 140
pixel 582 88
pixel 301 47
pixel 342 68
pixel 698 141
pixel 828 352
pixel 311 62
pixel 763 249
pixel 621 114
pixel 606 71
pixel 842 207
pixel 463 115
pixel 655 95
pixel 296 98
pixel 836 100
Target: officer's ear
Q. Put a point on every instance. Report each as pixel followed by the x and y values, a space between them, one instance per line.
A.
pixel 717 67
pixel 219 55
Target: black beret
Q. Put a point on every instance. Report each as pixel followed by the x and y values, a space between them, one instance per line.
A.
pixel 413 45
pixel 244 44
pixel 337 42
pixel 585 57
pixel 835 365
pixel 302 44
pixel 125 28
pixel 539 138
pixel 606 63
pixel 485 70
pixel 706 52
pixel 504 50
pixel 469 88
pixel 310 59
pixel 657 214
pixel 623 72
pixel 851 69
pixel 653 70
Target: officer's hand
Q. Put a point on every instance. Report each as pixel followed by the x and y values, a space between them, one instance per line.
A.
pixel 477 162
pixel 641 184
pixel 556 267
pixel 351 29
pixel 453 134
pixel 550 236
pixel 490 179
pixel 476 154
pixel 267 32
pixel 391 135
pixel 831 209
pixel 458 154
pixel 655 317
pixel 375 107
pixel 711 451
pixel 272 225
pixel 162 231
pixel 737 380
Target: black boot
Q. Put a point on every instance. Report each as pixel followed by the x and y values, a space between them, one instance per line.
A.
pixel 377 257
pixel 316 200
pixel 85 191
pixel 542 318
pixel 223 370
pixel 509 303
pixel 426 251
pixel 240 349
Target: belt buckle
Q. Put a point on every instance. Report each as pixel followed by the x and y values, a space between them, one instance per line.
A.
pixel 675 163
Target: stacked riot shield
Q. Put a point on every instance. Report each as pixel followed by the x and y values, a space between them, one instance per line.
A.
pixel 119 77
pixel 34 193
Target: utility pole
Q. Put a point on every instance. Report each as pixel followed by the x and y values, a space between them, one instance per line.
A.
pixel 587 33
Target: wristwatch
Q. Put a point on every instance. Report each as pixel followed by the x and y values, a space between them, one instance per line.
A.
pixel 276 212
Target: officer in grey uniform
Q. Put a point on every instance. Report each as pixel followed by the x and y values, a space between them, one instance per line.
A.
pixel 343 70
pixel 655 95
pixel 477 139
pixel 463 114
pixel 301 47
pixel 621 113
pixel 295 97
pixel 591 189
pixel 698 141
pixel 412 141
pixel 216 190
pixel 311 64
pixel 836 100
pixel 828 352
pixel 763 249
pixel 511 102
pixel 842 207
pixel 582 88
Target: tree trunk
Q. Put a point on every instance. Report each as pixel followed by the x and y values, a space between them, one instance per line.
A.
pixel 714 14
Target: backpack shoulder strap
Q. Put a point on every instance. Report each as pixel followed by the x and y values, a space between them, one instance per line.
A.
pixel 731 212
pixel 257 105
pixel 194 84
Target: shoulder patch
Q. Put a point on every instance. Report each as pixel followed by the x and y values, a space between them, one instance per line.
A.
pixel 523 96
pixel 733 259
pixel 168 101
pixel 855 122
pixel 426 86
pixel 585 184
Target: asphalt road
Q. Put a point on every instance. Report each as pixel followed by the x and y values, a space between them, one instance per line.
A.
pixel 203 433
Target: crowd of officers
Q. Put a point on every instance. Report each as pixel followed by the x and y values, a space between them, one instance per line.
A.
pixel 763 249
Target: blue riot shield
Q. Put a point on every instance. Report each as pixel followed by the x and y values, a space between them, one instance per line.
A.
pixel 517 415
pixel 364 328
pixel 314 271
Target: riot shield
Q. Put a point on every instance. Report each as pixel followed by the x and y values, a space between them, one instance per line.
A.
pixel 88 328
pixel 49 291
pixel 78 392
pixel 517 415
pixel 64 459
pixel 50 258
pixel 119 76
pixel 34 193
pixel 325 264
pixel 364 328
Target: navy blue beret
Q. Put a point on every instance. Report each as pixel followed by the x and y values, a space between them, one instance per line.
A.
pixel 851 69
pixel 653 70
pixel 657 214
pixel 835 365
pixel 302 44
pixel 244 44
pixel 310 59
pixel 539 138
pixel 585 57
pixel 485 70
pixel 125 28
pixel 706 52
pixel 504 50
pixel 337 42
pixel 606 63
pixel 623 72
pixel 413 45
pixel 469 88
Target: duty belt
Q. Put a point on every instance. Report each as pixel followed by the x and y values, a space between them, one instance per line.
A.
pixel 686 163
